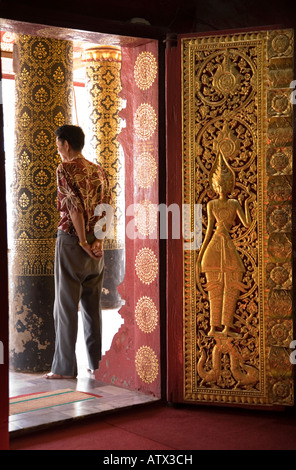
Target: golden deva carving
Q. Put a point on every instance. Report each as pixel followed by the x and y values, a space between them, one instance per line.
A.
pixel 218 257
pixel 224 270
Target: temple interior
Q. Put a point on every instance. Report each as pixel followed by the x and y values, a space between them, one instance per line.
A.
pixel 188 106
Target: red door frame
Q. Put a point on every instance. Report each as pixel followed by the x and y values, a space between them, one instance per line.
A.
pixel 4 439
pixel 131 340
pixel 174 246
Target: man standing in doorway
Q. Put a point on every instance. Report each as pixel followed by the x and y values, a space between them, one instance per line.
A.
pixel 79 262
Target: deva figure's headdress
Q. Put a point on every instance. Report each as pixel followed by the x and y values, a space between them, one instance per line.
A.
pixel 222 175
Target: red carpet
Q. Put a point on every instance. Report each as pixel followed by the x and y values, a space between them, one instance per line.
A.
pixel 159 427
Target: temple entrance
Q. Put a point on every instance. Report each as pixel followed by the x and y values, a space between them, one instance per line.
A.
pixel 109 86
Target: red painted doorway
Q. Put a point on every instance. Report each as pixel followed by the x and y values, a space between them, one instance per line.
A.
pixel 134 360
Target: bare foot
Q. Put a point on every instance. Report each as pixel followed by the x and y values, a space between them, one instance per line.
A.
pixel 51 375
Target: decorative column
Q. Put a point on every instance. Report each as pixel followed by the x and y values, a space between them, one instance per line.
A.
pixel 43 87
pixel 103 81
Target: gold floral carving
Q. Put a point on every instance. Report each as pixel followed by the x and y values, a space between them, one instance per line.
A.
pixel 146 314
pixel 146 364
pixel 146 265
pixel 237 141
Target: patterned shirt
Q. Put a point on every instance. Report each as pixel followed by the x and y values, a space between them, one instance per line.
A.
pixel 81 186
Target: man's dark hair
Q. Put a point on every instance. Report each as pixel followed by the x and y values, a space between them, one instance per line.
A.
pixel 74 135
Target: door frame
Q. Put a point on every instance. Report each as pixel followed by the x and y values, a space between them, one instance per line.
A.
pixel 175 177
pixel 4 439
pixel 92 25
pixel 174 286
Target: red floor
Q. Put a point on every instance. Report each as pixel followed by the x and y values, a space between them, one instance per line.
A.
pixel 158 427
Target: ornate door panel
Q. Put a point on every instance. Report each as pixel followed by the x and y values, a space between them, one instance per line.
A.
pixel 237 136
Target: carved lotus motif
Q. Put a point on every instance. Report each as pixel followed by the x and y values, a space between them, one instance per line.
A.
pixel 226 78
pixel 227 142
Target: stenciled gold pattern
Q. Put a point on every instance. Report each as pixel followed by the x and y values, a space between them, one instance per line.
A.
pixel 146 218
pixel 146 364
pixel 145 170
pixel 145 121
pixel 146 314
pixel 43 86
pixel 237 143
pixel 103 77
pixel 145 70
pixel 7 40
pixel 146 265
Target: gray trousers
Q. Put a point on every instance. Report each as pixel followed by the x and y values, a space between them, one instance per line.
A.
pixel 78 278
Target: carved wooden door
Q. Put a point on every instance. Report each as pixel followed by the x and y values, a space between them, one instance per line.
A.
pixel 4 439
pixel 229 152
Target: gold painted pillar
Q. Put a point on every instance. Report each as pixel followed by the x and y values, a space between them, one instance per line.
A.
pixel 103 81
pixel 43 98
